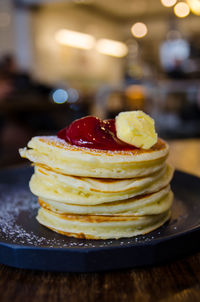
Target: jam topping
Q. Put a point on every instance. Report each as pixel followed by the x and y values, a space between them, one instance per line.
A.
pixel 91 132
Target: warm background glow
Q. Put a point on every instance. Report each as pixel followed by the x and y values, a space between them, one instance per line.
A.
pixel 194 6
pixel 75 39
pixel 139 30
pixel 181 10
pixel 112 48
pixel 168 3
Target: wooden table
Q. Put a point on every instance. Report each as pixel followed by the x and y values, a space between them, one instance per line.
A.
pixel 176 281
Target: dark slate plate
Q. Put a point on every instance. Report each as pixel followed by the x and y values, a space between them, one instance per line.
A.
pixel 26 244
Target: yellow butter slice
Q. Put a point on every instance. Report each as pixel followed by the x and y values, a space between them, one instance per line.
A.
pixel 136 128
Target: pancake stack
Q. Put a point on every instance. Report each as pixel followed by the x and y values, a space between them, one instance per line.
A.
pixel 100 194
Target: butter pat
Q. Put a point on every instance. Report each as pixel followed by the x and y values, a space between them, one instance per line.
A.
pixel 136 128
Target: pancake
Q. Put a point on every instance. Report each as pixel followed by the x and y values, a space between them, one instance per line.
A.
pixel 150 204
pixel 100 227
pixel 68 159
pixel 48 184
pixel 99 194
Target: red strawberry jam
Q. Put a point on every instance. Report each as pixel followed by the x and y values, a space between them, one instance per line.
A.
pixel 91 132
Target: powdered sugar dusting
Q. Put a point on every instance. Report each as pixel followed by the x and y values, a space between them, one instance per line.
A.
pixel 18 225
pixel 18 209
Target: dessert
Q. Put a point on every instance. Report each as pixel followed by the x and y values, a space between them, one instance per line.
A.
pixel 92 182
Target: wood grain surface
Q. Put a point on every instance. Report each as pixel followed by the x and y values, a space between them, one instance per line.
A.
pixel 175 281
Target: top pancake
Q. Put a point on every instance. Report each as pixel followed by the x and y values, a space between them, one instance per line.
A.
pixel 65 158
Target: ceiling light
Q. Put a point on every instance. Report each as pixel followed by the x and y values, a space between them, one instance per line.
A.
pixel 112 48
pixel 139 30
pixel 181 10
pixel 168 3
pixel 75 39
pixel 194 6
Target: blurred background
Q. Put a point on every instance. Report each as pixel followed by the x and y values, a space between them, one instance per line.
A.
pixel 61 60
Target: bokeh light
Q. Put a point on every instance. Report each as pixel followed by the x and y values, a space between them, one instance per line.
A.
pixel 112 48
pixel 139 30
pixel 60 96
pixel 181 10
pixel 75 39
pixel 168 3
pixel 194 6
pixel 73 95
